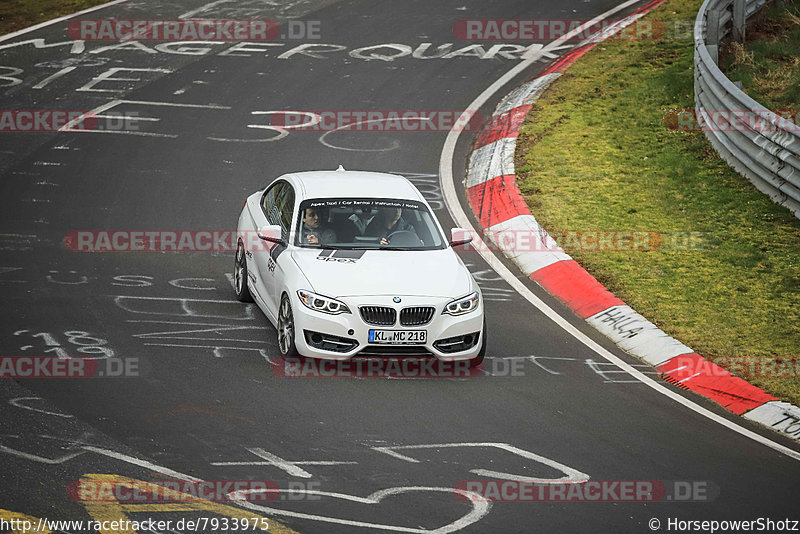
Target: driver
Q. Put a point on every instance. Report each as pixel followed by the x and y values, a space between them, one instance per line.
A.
pixel 391 222
pixel 313 231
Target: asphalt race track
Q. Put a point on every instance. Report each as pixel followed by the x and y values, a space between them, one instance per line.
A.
pixel 356 455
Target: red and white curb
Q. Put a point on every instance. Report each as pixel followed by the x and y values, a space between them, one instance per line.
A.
pixel 496 201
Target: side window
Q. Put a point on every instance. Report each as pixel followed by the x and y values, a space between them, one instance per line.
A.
pixel 278 205
pixel 285 201
pixel 269 206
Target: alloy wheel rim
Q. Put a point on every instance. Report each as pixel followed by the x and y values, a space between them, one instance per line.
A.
pixel 237 272
pixel 285 327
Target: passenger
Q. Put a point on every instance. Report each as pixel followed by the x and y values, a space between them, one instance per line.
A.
pixel 313 232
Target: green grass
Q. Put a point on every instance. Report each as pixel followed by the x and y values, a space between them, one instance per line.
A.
pixel 768 64
pixel 595 154
pixel 18 14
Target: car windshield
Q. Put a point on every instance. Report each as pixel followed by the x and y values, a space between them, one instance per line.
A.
pixel 367 223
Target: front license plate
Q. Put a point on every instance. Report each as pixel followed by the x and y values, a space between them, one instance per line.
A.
pixel 398 337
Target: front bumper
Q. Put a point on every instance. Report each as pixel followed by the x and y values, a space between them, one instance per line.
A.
pixel 346 335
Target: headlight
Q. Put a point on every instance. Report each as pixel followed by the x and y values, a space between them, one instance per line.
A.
pixel 462 305
pixel 322 304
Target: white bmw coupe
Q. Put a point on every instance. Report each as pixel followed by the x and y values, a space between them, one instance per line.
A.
pixel 348 263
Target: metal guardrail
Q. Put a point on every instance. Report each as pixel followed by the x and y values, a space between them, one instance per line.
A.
pixel 769 154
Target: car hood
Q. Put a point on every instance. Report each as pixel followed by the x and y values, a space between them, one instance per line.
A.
pixel 343 273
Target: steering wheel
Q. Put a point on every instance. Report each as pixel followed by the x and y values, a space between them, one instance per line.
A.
pixel 404 238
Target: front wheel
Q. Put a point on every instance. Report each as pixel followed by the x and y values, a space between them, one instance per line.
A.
pixel 286 328
pixel 240 275
pixel 477 360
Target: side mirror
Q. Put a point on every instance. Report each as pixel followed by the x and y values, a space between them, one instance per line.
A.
pixel 272 234
pixel 460 236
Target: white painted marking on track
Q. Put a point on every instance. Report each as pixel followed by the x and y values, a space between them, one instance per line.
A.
pixel 127 303
pixel 677 369
pixel 39 459
pixel 18 403
pixel 570 475
pixel 70 126
pixel 224 301
pixel 282 130
pixel 461 220
pixel 173 322
pixel 167 334
pixel 204 7
pixel 289 466
pixel 4 270
pixel 395 144
pixel 108 76
pixel 81 280
pixel 280 463
pixel 690 377
pixel 488 473
pixel 125 117
pixel 266 357
pixel 605 373
pixel 535 360
pixel 293 462
pixel 215 347
pixel 235 340
pixel 29 29
pixel 480 507
pixel 52 77
pixel 141 463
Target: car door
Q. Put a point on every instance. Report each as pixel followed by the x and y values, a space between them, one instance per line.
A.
pixel 278 206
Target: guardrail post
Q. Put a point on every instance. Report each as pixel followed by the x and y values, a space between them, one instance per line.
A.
pixel 712 27
pixel 738 20
pixel 713 51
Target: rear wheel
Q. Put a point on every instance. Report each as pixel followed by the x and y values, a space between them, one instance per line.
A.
pixel 240 275
pixel 286 328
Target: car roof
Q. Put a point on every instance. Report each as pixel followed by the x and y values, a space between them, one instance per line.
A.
pixel 355 184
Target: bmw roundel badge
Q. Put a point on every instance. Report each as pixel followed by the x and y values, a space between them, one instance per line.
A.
pixel 396 300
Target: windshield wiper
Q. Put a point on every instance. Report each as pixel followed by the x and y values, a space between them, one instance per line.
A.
pixel 346 247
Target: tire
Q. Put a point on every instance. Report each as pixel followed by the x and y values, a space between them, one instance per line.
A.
pixel 286 332
pixel 240 275
pixel 477 360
